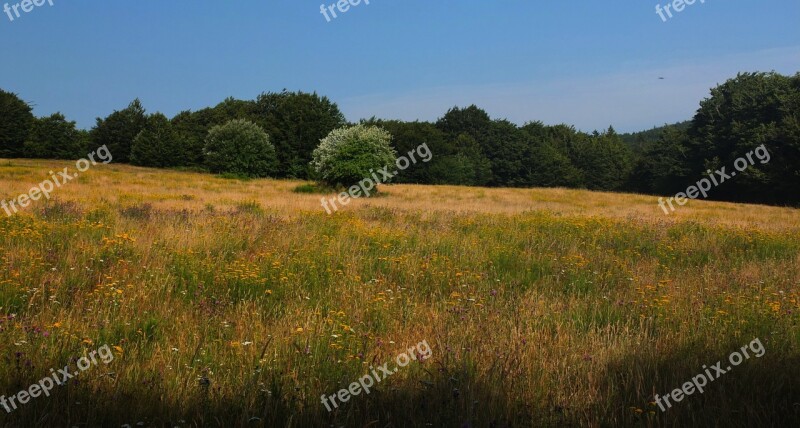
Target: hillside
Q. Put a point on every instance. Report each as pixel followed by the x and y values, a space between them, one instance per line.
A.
pixel 233 303
pixel 636 140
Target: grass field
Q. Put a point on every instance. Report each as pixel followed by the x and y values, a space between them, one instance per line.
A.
pixel 240 303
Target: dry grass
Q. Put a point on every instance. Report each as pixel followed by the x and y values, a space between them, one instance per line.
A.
pixel 125 185
pixel 239 303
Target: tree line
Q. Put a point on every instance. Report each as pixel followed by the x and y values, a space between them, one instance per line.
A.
pixel 470 148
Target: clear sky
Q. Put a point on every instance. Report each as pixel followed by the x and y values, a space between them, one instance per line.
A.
pixel 584 62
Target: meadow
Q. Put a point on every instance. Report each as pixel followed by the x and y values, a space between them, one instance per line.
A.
pixel 241 302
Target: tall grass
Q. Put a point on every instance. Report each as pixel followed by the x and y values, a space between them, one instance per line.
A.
pixel 244 303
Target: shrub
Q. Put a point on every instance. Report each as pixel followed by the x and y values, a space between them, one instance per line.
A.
pixel 305 188
pixel 348 155
pixel 314 188
pixel 240 147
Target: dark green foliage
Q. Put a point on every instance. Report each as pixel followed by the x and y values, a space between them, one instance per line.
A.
pixel 546 163
pixel 16 120
pixel 473 123
pixel 240 147
pixel 315 188
pixel 456 160
pixel 157 144
pixel 638 141
pixel 231 108
pixel 55 138
pixel 305 188
pixel 750 111
pixel 118 130
pixel 742 114
pixel 191 130
pixel 470 120
pixel 465 164
pixel 505 146
pixel 603 159
pixel 547 167
pixel 296 122
pixel 662 167
pixel 502 142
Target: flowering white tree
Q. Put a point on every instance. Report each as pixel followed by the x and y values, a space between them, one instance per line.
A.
pixel 348 155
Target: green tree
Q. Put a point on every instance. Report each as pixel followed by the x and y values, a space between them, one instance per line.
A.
pixel 157 144
pixel 784 175
pixel 16 120
pixel 662 168
pixel 348 155
pixel 296 122
pixel 464 164
pixel 230 108
pixel 545 165
pixel 471 121
pixel 118 130
pixel 748 111
pixel 55 138
pixel 638 141
pixel 407 136
pixel 191 130
pixel 240 147
pixel 604 160
pixel 553 148
pixel 505 147
pixel 502 142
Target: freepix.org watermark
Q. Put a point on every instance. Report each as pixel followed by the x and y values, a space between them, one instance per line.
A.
pixel 365 186
pixel 26 6
pixel 342 5
pixel 718 177
pixel 56 378
pixel 420 352
pixel 678 6
pixel 55 181
pixel 700 381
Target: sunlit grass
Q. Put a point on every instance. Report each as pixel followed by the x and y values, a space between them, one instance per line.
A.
pixel 542 307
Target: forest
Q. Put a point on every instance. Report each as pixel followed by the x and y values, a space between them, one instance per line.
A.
pixel 470 147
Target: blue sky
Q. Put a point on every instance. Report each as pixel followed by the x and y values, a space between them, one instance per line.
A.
pixel 587 63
